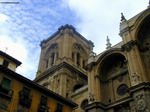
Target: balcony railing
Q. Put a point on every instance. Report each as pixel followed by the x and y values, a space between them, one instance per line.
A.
pixel 6 93
pixel 43 108
pixel 24 100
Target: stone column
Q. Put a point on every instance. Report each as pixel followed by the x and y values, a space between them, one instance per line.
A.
pixel 55 57
pixel 62 86
pixel 75 58
pixel 134 68
pixel 81 62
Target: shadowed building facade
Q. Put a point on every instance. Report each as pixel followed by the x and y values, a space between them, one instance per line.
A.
pixel 116 80
pixel 19 94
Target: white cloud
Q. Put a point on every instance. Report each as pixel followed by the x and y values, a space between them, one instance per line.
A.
pixel 99 18
pixel 3 18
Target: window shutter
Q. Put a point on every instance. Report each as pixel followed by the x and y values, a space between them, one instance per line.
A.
pixel 6 83
pixel 59 107
pixel 5 63
pixel 43 101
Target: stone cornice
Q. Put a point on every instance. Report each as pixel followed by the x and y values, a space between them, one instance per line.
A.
pixel 70 27
pixel 143 85
pixel 129 45
pixel 111 105
pixel 58 67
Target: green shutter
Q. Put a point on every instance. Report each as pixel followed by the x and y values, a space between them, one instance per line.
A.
pixel 6 83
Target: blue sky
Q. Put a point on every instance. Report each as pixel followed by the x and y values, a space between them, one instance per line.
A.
pixel 25 23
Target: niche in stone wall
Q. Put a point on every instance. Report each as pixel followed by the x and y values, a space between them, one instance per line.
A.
pixel 114 79
pixel 144 42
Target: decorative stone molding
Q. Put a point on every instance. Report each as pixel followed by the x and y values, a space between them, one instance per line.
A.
pixel 140 102
pixel 136 78
pixel 91 97
pixel 129 45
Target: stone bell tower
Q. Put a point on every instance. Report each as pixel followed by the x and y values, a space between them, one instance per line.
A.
pixel 62 62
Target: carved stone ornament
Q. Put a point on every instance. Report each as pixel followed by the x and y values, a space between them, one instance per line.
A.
pixel 141 105
pixel 129 45
pixel 91 97
pixel 136 78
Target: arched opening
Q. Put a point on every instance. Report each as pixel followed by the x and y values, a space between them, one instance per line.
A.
pixel 113 73
pixel 144 43
pixel 77 86
pixel 51 55
pixel 84 104
pixel 79 55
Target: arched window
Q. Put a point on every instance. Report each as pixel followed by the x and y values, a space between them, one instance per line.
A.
pixel 114 77
pixel 84 104
pixel 77 86
pixel 51 55
pixel 52 58
pixel 144 42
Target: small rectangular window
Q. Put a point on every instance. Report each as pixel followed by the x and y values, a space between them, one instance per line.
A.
pixel 59 107
pixel 26 92
pixel 6 83
pixel 5 63
pixel 43 101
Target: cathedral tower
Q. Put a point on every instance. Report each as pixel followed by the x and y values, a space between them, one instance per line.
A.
pixel 62 61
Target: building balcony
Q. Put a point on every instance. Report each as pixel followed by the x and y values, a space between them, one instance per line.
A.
pixel 25 102
pixel 24 99
pixel 4 93
pixel 43 108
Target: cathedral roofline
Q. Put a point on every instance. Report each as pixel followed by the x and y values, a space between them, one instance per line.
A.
pixel 10 58
pixel 69 27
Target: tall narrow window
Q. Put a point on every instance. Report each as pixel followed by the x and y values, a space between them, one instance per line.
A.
pixel 78 59
pixel 43 105
pixel 83 64
pixel 24 97
pixel 26 92
pixel 73 56
pixel 52 59
pixel 59 107
pixel 47 63
pixel 5 86
pixel 5 63
pixel 43 101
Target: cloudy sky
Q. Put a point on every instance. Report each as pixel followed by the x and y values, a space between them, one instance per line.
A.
pixel 25 23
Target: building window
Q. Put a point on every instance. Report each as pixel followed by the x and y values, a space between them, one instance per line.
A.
pixel 122 89
pixel 59 107
pixel 83 64
pixel 25 99
pixel 73 56
pixel 43 101
pixel 43 105
pixel 5 63
pixel 84 104
pixel 5 86
pixel 47 63
pixel 52 58
pixel 78 59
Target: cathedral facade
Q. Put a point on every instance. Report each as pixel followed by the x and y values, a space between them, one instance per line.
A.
pixel 116 80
